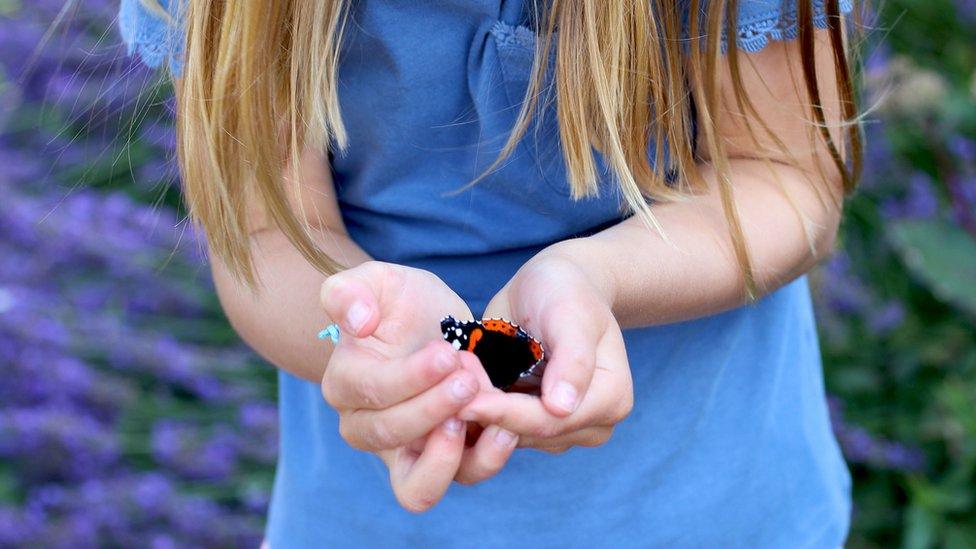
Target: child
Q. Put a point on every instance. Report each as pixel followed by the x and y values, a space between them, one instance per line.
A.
pixel 640 184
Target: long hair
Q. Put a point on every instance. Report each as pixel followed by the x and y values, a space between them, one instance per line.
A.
pixel 622 72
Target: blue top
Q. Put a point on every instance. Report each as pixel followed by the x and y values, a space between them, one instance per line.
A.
pixel 728 444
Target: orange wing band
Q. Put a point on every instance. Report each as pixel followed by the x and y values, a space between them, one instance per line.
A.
pixel 474 339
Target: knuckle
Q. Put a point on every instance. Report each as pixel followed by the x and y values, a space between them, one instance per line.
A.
pixel 328 393
pixel 372 267
pixel 482 468
pixel 415 503
pixel 332 376
pixel 327 287
pixel 367 392
pixel 388 274
pixel 432 410
pixel 597 438
pixel 545 430
pixel 489 466
pixel 349 434
pixel 429 277
pixel 623 408
pixel 428 374
pixel 332 385
pixel 472 473
pixel 382 435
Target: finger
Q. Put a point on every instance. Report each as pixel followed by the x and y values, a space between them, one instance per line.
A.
pixel 421 481
pixel 483 460
pixel 589 437
pixel 397 425
pixel 356 378
pixel 519 413
pixel 572 357
pixel 526 415
pixel 471 363
pixel 351 300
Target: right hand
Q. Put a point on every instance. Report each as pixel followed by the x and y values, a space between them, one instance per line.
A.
pixel 395 383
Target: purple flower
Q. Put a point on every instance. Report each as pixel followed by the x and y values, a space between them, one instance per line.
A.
pixel 919 201
pixel 51 444
pixel 886 318
pixel 193 453
pixel 861 447
pixel 18 527
pixel 108 319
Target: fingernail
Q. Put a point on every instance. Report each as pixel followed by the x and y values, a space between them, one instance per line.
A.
pixel 504 438
pixel 356 316
pixel 445 361
pixel 453 425
pixel 461 390
pixel 564 396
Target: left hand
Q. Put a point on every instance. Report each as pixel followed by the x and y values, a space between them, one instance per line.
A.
pixel 586 387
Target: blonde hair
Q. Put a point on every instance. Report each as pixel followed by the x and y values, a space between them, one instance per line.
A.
pixel 249 65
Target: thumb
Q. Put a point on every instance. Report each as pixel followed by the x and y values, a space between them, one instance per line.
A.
pixel 351 301
pixel 572 360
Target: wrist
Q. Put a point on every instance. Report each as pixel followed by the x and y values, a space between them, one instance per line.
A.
pixel 588 257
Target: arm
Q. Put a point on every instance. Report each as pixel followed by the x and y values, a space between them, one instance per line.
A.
pixel 280 321
pixel 395 384
pixel 627 275
pixel 654 282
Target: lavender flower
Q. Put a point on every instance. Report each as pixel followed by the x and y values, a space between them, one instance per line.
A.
pixel 108 321
pixel 861 447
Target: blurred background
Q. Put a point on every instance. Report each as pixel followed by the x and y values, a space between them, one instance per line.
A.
pixel 130 414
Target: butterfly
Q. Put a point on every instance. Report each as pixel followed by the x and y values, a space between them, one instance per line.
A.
pixel 505 350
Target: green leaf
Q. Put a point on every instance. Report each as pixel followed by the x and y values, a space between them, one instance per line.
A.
pixel 921 528
pixel 8 485
pixel 940 255
pixel 960 536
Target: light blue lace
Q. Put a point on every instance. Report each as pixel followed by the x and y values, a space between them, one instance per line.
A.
pixel 156 41
pixel 759 22
pixel 757 29
pixel 151 37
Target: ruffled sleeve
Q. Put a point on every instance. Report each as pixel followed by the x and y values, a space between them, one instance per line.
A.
pixel 761 21
pixel 152 30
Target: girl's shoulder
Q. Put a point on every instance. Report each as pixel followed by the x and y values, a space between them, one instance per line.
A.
pixel 152 30
pixel 760 21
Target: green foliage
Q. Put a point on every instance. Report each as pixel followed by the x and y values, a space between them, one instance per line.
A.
pixel 942 256
pixel 897 305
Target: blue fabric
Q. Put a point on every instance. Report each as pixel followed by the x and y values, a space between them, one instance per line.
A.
pixel 760 21
pixel 156 37
pixel 729 443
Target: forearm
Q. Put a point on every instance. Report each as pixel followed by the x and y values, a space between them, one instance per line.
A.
pixel 281 319
pixel 651 281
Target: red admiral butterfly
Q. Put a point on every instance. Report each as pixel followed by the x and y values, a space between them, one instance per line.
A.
pixel 506 351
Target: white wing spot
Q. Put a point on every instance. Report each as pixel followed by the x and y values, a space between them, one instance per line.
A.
pixel 458 331
pixel 456 344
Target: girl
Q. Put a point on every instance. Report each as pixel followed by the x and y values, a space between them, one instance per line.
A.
pixel 641 184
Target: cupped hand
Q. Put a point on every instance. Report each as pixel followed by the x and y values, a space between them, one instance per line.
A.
pixel 396 385
pixel 586 386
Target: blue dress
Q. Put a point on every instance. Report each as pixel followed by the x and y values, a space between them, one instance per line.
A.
pixel 728 444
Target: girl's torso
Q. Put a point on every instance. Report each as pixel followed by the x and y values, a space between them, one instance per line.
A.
pixel 729 442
